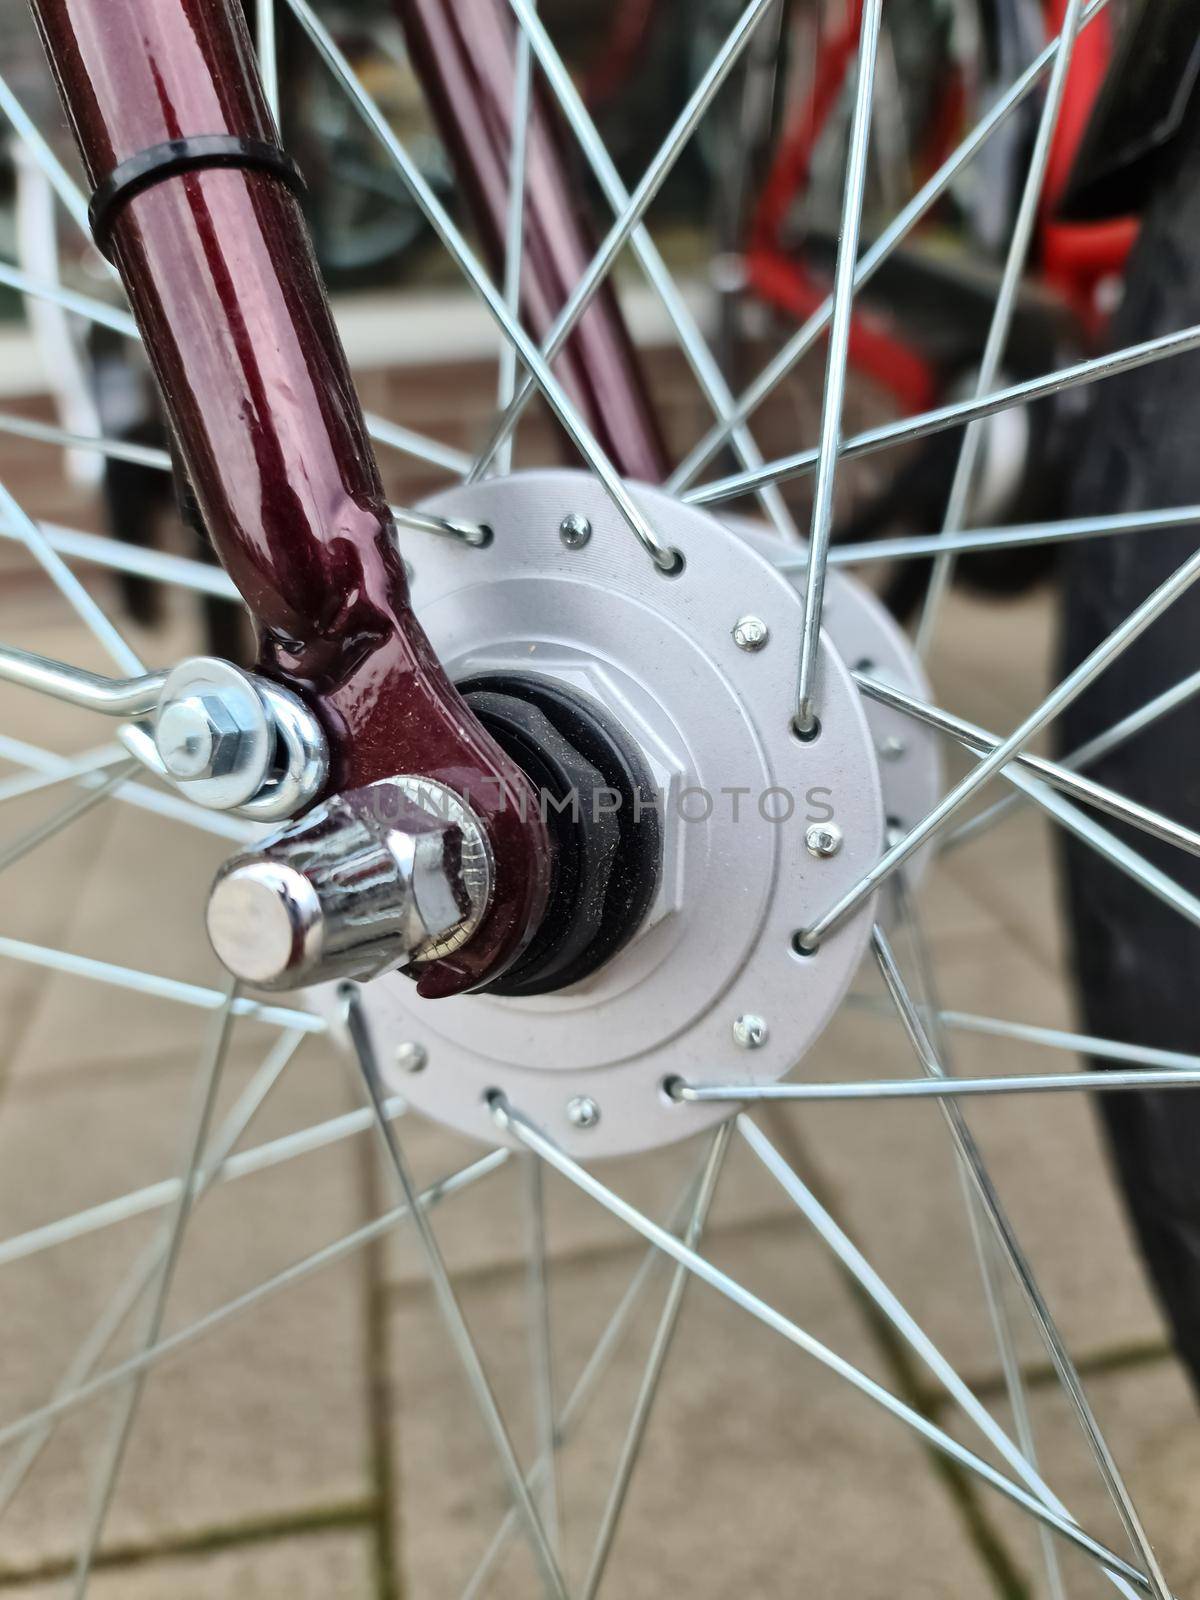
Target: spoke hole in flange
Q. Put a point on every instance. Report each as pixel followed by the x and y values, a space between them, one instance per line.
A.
pixel 676 566
pixel 802 947
pixel 806 735
pixel 671 1087
pixel 865 664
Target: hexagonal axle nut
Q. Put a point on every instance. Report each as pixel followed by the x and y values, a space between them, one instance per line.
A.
pixel 197 737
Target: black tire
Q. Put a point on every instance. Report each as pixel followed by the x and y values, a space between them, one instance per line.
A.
pixel 1137 962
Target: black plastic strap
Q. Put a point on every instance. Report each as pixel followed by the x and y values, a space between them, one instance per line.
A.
pixel 168 160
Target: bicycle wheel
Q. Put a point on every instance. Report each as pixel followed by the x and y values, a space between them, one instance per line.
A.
pixel 436 1364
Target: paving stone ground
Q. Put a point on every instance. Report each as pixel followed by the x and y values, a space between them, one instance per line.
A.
pixel 324 1443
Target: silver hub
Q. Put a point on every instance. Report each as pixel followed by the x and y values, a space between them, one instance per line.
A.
pixel 738 795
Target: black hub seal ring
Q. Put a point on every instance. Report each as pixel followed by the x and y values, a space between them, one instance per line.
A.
pixel 582 852
pixel 608 909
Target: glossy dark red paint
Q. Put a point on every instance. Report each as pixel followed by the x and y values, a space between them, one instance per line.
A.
pixel 464 57
pixel 222 280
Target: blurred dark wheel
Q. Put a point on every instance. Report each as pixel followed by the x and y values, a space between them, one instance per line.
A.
pixel 1137 961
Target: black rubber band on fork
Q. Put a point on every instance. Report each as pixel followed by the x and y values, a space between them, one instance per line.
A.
pixel 176 156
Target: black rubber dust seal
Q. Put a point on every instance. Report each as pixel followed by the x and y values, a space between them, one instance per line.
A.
pixel 176 156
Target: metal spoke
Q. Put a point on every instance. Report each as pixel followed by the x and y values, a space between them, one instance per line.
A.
pixel 452 1315
pixel 67 583
pixel 803 340
pixel 48 764
pixel 212 1062
pixel 472 533
pixel 259 1158
pixel 1111 739
pixel 1052 772
pixel 1055 702
pixel 987 1253
pixel 1085 827
pixel 114 449
pixel 936 1088
pixel 149 983
pixel 629 217
pixel 1083 1044
pixel 146 1266
pixel 541 1347
pixel 514 240
pixel 1109 846
pixel 513 1121
pixel 585 1386
pixel 834 393
pixel 905 1324
pixel 67 190
pixel 1030 533
pixel 419 445
pixel 452 238
pixel 80 806
pixel 983 1242
pixel 955 414
pixel 83 305
pixel 958 503
pixel 964 1143
pixel 406 440
pixel 268 54
pixel 202 576
pixel 704 366
pixel 179 571
pixel 91 767
pixel 296 1273
pixel 1080 1044
pixel 660 1348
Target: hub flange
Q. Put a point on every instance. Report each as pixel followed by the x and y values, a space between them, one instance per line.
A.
pixel 737 792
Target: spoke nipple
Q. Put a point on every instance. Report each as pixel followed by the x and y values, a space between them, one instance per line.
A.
pixel 750 1031
pixel 823 839
pixel 412 1057
pixel 582 1111
pixel 750 633
pixel 574 530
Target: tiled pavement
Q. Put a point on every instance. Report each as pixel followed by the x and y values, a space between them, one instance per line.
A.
pixel 323 1444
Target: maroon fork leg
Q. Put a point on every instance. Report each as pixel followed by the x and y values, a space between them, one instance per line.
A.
pixel 222 280
pixel 463 55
